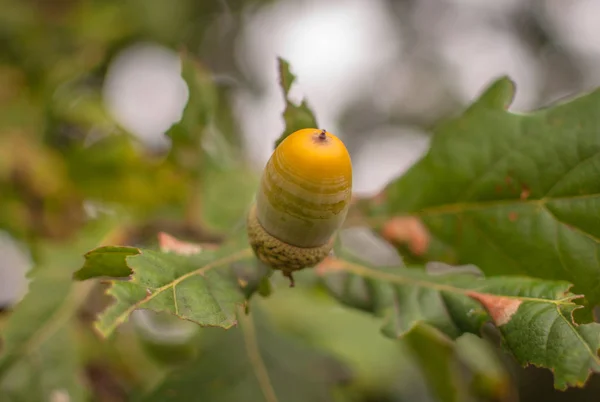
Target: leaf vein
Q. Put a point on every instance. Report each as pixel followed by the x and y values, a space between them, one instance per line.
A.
pixel 557 242
pixel 497 247
pixel 594 238
pixel 570 171
pixel 491 169
pixel 456 208
pixel 593 354
pixel 175 300
pixel 256 360
pixel 213 264
pixel 546 342
pixel 365 271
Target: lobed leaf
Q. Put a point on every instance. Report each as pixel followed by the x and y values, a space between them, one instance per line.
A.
pixel 534 316
pixel 512 193
pixel 295 116
pixel 199 110
pixel 39 357
pixel 213 160
pixel 110 262
pixel 203 287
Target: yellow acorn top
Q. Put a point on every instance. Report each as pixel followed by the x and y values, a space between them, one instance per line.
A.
pixel 305 189
pixel 316 155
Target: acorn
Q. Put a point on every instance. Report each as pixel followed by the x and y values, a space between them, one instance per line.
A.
pixel 302 201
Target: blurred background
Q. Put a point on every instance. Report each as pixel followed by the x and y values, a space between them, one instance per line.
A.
pixel 89 89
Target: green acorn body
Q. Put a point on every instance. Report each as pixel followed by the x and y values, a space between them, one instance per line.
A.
pixel 302 201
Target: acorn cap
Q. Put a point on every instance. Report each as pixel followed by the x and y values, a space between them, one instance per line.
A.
pixel 281 255
pixel 305 188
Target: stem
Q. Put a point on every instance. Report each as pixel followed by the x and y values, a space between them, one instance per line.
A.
pixel 290 277
pixel 253 350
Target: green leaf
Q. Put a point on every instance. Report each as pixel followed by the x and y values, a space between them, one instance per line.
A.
pixel 252 363
pixel 213 161
pixel 513 193
pixel 435 355
pixel 465 370
pixel 490 376
pixel 200 107
pixel 296 117
pixel 106 261
pixel 534 316
pixel 571 349
pixel 112 170
pixel 286 78
pixel 39 356
pixel 221 212
pixel 203 287
pixel 377 362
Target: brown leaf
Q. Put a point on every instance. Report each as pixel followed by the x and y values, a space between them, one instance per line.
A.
pixel 329 264
pixel 500 308
pixel 170 243
pixel 407 230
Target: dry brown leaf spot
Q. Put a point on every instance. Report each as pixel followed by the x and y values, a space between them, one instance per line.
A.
pixel 329 264
pixel 500 308
pixel 407 230
pixel 169 243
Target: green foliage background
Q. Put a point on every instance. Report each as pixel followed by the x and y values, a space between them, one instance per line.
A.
pixel 514 195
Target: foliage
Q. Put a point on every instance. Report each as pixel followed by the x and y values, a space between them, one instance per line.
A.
pixel 268 367
pixel 524 184
pixel 39 353
pixel 513 195
pixel 535 317
pixel 296 117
